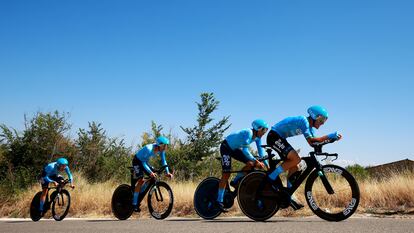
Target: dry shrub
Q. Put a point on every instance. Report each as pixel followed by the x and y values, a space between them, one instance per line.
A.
pixel 395 194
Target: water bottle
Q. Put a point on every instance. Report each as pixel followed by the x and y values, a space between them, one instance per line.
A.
pixel 302 165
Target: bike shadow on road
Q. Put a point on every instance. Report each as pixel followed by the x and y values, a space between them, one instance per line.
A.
pixel 184 220
pixel 17 221
pixel 103 220
pixel 267 221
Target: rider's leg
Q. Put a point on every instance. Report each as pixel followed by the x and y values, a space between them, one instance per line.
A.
pixel 225 152
pixel 291 162
pixel 137 190
pixel 249 165
pixel 292 167
pixel 43 198
pixel 237 178
pixel 138 174
pixel 222 186
pixel 45 186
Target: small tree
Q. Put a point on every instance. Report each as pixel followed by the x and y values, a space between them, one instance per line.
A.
pixel 100 157
pixel 204 138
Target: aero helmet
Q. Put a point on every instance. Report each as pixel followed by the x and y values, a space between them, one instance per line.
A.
pixel 162 140
pixel 62 161
pixel 259 123
pixel 317 111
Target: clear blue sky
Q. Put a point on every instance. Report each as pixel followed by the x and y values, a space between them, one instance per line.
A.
pixel 125 63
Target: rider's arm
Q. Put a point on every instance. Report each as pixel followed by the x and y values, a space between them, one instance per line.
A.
pixel 46 178
pixel 146 167
pixel 67 170
pixel 164 162
pixel 48 170
pixel 246 152
pixel 260 150
pixel 247 139
pixel 315 141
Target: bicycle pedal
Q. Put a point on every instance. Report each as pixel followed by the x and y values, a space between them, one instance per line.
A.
pixel 295 205
pixel 136 208
pixel 220 205
pixel 284 198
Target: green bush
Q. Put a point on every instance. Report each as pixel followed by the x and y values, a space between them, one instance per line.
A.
pixel 358 171
pixel 100 157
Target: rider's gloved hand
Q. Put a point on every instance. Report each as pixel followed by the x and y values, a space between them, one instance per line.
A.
pixel 259 164
pixel 153 175
pixel 169 175
pixel 55 183
pixel 334 136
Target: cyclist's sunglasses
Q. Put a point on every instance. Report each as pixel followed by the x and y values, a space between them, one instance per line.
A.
pixel 321 119
pixel 264 129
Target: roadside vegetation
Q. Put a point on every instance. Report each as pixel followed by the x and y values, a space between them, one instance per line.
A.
pixel 100 162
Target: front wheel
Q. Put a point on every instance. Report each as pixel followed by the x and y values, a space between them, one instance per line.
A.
pixel 160 200
pixel 122 202
pixel 256 197
pixel 34 207
pixel 342 202
pixel 60 204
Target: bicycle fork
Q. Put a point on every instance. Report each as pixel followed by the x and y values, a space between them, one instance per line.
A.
pixel 325 182
pixel 59 199
pixel 158 194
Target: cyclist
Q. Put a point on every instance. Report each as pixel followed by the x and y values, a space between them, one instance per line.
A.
pixel 50 174
pixel 293 126
pixel 236 145
pixel 140 165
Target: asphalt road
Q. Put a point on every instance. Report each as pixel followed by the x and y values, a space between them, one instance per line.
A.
pixel 188 225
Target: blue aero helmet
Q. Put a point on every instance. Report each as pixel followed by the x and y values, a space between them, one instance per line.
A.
pixel 62 161
pixel 259 123
pixel 317 112
pixel 162 140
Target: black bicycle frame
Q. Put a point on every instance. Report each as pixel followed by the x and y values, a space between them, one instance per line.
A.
pixel 149 183
pixel 312 164
pixel 58 188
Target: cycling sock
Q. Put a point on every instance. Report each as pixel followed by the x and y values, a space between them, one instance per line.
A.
pixel 41 205
pixel 238 177
pixel 276 172
pixel 220 195
pixel 135 198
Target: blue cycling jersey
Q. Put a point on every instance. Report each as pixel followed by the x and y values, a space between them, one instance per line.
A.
pixel 52 170
pixel 146 153
pixel 293 126
pixel 242 139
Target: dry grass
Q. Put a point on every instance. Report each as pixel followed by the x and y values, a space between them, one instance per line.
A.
pixel 394 195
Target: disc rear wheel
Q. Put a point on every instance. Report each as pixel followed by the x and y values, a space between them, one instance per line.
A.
pixel 122 202
pixel 34 207
pixel 205 198
pixel 256 197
